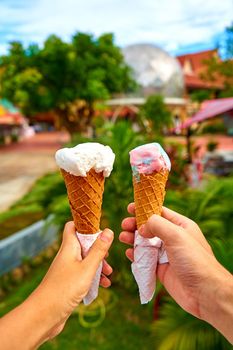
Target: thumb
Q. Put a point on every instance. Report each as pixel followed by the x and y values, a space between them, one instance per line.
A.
pixel 98 250
pixel 162 228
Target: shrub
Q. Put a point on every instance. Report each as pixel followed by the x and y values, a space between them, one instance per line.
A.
pixel 2 140
pixel 14 138
pixel 211 146
pixel 216 128
pixel 178 175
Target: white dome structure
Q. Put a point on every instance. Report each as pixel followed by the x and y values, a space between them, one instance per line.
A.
pixel 155 71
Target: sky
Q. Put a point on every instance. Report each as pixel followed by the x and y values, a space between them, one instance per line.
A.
pixel 178 26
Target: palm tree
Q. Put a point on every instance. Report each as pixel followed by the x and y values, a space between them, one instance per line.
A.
pixel 118 191
pixel 178 330
pixel 211 207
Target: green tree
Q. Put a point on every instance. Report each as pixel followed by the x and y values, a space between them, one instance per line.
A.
pixel 155 111
pixel 201 95
pixel 227 45
pixel 223 68
pixel 65 77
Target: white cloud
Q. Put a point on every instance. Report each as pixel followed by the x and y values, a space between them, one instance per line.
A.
pixel 168 23
pixel 3 49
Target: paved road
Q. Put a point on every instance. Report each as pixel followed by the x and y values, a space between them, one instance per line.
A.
pixel 23 163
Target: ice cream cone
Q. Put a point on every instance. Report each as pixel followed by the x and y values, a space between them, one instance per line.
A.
pixel 84 168
pixel 150 165
pixel 85 197
pixel 149 194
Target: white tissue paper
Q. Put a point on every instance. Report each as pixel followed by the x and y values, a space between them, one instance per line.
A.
pixel 86 241
pixel 148 252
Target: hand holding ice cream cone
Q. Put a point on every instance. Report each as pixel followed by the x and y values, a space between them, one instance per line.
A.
pixel 84 169
pixel 150 166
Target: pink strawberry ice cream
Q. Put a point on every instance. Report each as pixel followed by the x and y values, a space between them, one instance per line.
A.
pixel 150 158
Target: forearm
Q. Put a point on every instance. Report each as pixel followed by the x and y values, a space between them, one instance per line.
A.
pixel 29 324
pixel 217 304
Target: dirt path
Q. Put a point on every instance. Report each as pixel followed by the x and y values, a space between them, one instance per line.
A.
pixel 23 163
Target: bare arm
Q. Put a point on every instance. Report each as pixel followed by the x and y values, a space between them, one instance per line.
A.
pixel 44 313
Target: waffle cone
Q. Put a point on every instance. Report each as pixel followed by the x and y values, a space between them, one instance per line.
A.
pixel 149 194
pixel 85 198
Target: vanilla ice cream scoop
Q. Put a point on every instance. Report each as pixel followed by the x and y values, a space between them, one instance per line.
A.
pixel 79 160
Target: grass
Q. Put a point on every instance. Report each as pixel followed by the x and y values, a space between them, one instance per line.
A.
pixel 126 326
pixel 34 206
pixel 17 222
pixel 20 292
pixel 115 321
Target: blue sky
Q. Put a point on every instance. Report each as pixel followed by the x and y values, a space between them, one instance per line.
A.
pixel 179 26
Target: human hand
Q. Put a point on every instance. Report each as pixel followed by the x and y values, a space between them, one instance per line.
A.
pixel 193 276
pixel 44 313
pixel 69 278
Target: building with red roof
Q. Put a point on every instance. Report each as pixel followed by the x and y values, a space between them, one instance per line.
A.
pixel 12 123
pixel 211 109
pixel 195 68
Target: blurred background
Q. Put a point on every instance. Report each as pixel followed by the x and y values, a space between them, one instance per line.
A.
pixel 122 73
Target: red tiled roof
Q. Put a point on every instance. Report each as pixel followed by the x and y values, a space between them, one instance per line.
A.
pixel 193 81
pixel 197 58
pixel 198 67
pixel 12 119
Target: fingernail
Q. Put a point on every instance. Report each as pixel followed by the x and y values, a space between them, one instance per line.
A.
pixel 106 236
pixel 141 230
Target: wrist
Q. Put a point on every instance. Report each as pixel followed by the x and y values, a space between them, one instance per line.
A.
pixel 216 306
pixel 49 304
pixel 30 323
pixel 44 313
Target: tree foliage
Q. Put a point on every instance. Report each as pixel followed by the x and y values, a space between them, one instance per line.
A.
pixel 210 207
pixel 178 330
pixel 227 44
pixel 155 111
pixel 65 77
pixel 201 95
pixel 223 68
